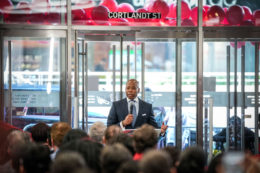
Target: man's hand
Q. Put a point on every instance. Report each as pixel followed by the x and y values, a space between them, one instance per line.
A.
pixel 163 128
pixel 128 120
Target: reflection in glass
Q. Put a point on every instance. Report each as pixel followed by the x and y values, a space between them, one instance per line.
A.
pixel 188 94
pixel 160 85
pixel 215 68
pixel 33 12
pixel 35 65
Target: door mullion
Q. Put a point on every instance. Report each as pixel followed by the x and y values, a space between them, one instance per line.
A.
pixel 228 97
pixel 10 82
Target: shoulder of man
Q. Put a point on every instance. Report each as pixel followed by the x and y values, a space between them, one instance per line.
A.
pixel 119 101
pixel 144 102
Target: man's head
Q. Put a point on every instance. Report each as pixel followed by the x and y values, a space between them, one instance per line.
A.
pixel 15 138
pixel 74 134
pixel 124 139
pixel 68 161
pixel 41 133
pixel 110 133
pixel 155 161
pixel 97 131
pixel 112 157
pixel 58 131
pixel 145 138
pixel 32 158
pixel 132 88
pixel 192 159
pixel 90 151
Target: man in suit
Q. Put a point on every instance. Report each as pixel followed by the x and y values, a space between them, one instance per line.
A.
pixel 132 112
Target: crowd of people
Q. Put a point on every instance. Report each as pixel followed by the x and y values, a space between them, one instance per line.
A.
pixel 61 149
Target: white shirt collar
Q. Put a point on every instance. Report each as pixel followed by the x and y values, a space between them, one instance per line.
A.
pixel 135 99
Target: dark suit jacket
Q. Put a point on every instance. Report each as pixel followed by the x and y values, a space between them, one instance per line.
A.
pixel 119 111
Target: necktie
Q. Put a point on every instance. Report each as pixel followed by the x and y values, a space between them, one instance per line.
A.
pixel 134 112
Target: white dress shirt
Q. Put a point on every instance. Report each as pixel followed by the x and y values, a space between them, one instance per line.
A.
pixel 136 102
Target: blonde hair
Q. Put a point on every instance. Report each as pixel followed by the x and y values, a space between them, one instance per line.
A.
pixel 58 131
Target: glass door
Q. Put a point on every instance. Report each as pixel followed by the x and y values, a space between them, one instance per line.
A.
pixel 230 75
pixel 109 61
pixel 105 62
pixel 31 78
pixel 157 73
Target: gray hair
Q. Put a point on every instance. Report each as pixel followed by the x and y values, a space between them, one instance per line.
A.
pixel 68 161
pixel 155 161
pixel 97 130
pixel 15 138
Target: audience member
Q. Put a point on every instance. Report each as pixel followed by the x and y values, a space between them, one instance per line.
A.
pixel 251 164
pixel 130 166
pixel 235 133
pixel 32 157
pixel 174 153
pixel 88 149
pixel 74 134
pixel 215 165
pixel 112 157
pixel 83 170
pixel 111 131
pixel 233 161
pixel 124 139
pixel 68 162
pixel 96 131
pixel 58 131
pixel 5 129
pixel 155 161
pixel 145 138
pixel 41 134
pixel 15 140
pixel 193 160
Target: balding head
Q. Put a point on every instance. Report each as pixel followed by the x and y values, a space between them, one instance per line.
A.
pixel 132 88
pixel 15 138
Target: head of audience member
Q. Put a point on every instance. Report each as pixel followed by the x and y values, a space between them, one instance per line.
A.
pixel 41 133
pixel 215 165
pixel 32 157
pixel 96 131
pixel 233 161
pixel 130 166
pixel 154 161
pixel 124 139
pixel 88 149
pixel 110 132
pixel 58 131
pixel 5 130
pixel 74 134
pixel 15 138
pixel 193 160
pixel 145 138
pixel 14 141
pixel 83 170
pixel 68 162
pixel 113 156
pixel 174 153
pixel 251 164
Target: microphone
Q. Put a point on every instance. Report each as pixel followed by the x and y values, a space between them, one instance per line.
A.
pixel 131 108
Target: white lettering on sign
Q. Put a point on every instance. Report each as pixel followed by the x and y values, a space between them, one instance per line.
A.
pixel 134 15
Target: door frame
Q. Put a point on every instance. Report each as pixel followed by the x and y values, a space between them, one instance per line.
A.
pixel 32 33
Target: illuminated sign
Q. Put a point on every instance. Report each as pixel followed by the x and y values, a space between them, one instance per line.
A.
pixel 134 15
